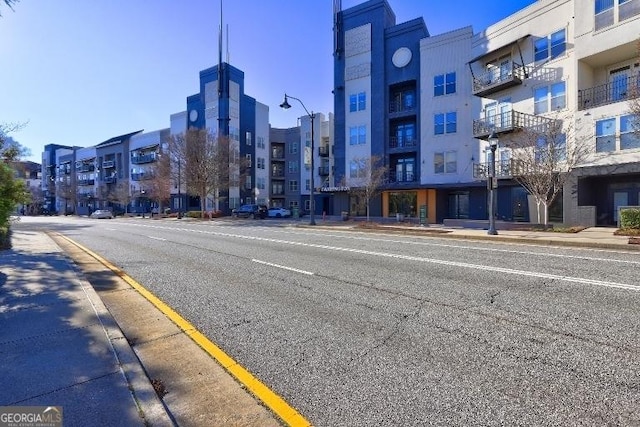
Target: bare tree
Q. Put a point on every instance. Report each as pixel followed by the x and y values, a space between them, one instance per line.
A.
pixel 542 159
pixel 634 99
pixel 121 194
pixel 367 185
pixel 10 4
pixel 10 149
pixel 159 183
pixel 67 191
pixel 210 165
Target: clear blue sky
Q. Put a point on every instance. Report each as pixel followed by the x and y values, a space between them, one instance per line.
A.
pixel 81 72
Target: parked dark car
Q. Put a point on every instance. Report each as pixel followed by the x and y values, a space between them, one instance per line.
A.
pixel 250 211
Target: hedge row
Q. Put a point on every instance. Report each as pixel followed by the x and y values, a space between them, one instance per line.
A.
pixel 630 218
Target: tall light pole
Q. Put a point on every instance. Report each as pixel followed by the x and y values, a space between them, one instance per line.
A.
pixel 492 183
pixel 285 104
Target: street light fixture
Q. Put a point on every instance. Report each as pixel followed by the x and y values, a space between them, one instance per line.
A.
pixel 285 104
pixel 492 183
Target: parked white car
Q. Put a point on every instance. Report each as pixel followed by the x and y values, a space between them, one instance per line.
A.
pixel 278 213
pixel 102 214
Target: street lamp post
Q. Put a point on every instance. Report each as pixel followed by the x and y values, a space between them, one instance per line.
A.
pixel 142 193
pixel 491 183
pixel 285 104
pixel 179 190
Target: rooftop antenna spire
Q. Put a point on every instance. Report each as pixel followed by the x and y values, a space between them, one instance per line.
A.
pixel 220 54
pixel 228 59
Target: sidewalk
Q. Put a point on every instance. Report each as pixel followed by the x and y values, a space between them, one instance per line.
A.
pixel 59 346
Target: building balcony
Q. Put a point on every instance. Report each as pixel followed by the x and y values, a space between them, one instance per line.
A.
pixel 323 171
pixel 142 176
pixel 400 106
pixel 608 93
pixel 277 193
pixel 86 195
pixel 402 142
pixel 85 167
pixel 402 178
pixel 143 158
pixel 86 182
pixel 323 151
pixel 277 154
pixel 504 169
pixel 277 174
pixel 108 164
pixel 508 122
pixel 496 79
pixel 110 180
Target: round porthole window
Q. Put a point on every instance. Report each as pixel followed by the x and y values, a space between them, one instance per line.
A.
pixel 401 57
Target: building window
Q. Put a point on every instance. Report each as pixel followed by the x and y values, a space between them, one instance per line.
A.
pixel 628 138
pixel 293 185
pixel 550 98
pixel 293 166
pixel 248 138
pixel 606 135
pixel 404 135
pixel 357 135
pixel 445 123
pixel 402 100
pixel 260 142
pixel 247 182
pixel 550 47
pixel 357 102
pixel 307 185
pixel 249 163
pixel 444 84
pixel 362 101
pixel 445 162
pixel 261 163
pixel 293 148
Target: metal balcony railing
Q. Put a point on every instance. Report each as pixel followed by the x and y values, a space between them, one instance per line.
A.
pixel 397 177
pixel 110 180
pixel 608 93
pixel 504 169
pixel 510 121
pixel 323 151
pixel 402 142
pixel 108 164
pixel 499 78
pixel 277 155
pixel 143 158
pixel 86 182
pixel 141 176
pixel 85 167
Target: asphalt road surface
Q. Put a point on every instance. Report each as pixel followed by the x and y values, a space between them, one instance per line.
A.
pixel 361 329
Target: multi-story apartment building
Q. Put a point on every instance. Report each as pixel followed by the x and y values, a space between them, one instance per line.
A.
pixel 607 73
pixel 555 61
pixel 49 163
pixel 377 104
pixel 144 181
pixel 224 110
pixel 290 165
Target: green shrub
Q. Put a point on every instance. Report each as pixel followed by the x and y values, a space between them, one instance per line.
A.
pixel 630 218
pixel 5 237
pixel 194 214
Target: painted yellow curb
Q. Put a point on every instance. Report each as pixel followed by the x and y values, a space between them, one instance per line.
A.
pixel 270 399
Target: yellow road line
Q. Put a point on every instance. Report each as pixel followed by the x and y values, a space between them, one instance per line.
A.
pixel 274 402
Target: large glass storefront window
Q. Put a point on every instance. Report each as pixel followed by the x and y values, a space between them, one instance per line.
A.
pixel 404 202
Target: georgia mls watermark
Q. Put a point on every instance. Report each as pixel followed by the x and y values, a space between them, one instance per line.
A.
pixel 30 416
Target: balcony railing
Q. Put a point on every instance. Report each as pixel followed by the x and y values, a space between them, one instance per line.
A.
pixel 110 180
pixel 277 174
pixel 143 158
pixel 108 164
pixel 504 169
pixel 86 182
pixel 323 151
pixel 277 155
pixel 141 176
pixel 498 78
pixel 402 142
pixel 85 167
pixel 323 171
pixel 401 106
pixel 396 177
pixel 510 121
pixel 608 93
pixel 277 193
